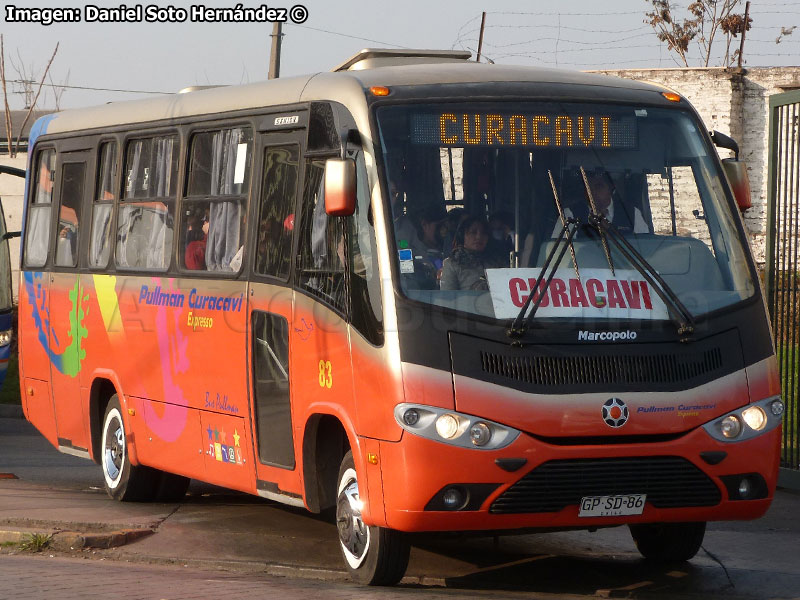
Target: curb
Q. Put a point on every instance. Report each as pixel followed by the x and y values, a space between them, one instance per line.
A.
pixel 71 540
pixel 11 411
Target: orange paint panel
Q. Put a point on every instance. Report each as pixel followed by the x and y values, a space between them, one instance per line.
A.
pixel 168 437
pixel 581 414
pixel 68 303
pixel 227 452
pixel 34 361
pixel 373 506
pixel 764 379
pixel 39 408
pixel 377 377
pixel 424 385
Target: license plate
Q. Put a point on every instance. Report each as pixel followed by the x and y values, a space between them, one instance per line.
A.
pixel 612 506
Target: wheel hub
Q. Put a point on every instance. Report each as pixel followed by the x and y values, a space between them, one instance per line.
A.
pixel 114 451
pixel 353 534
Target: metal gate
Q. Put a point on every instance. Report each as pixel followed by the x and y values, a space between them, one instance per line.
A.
pixel 783 262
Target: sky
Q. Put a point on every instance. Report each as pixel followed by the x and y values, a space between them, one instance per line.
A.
pixel 137 59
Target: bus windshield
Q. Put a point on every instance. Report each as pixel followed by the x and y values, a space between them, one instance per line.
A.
pixel 480 193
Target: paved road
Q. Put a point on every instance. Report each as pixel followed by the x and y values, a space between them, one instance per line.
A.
pixel 756 559
pixel 57 578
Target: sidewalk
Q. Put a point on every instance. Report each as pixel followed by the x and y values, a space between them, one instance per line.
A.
pixel 239 532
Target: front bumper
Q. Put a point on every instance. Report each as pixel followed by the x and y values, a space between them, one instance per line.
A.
pixel 415 469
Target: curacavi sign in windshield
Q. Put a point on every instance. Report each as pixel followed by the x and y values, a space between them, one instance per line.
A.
pixel 598 294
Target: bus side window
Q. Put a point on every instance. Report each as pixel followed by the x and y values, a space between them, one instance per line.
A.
pixel 102 208
pixel 276 215
pixel 322 245
pixel 146 221
pixel 71 196
pixel 367 312
pixel 37 238
pixel 212 215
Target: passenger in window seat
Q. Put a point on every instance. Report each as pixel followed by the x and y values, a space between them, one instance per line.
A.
pixel 195 254
pixel 466 268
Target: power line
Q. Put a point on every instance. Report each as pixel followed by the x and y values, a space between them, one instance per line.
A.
pixel 565 14
pixel 84 87
pixel 347 35
pixel 566 41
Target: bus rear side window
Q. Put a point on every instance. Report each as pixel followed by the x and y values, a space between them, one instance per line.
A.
pixel 212 212
pixel 145 229
pixel 37 239
pixel 151 168
pixel 100 243
pixel 71 193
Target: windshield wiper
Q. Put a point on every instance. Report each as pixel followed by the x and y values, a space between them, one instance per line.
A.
pixel 592 212
pixel 564 241
pixel 569 228
pixel 564 223
pixel 678 312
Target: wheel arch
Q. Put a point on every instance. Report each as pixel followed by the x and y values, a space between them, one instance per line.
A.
pixel 326 440
pixel 105 384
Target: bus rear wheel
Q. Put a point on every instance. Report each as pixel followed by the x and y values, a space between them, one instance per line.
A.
pixel 374 555
pixel 668 542
pixel 123 481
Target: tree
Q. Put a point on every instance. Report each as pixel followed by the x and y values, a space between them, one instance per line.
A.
pixel 30 99
pixel 704 21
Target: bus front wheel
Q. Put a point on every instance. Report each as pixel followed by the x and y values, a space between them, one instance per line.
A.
pixel 123 481
pixel 668 542
pixel 374 555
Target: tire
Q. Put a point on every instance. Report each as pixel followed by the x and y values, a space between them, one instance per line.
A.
pixel 373 555
pixel 171 488
pixel 668 542
pixel 123 481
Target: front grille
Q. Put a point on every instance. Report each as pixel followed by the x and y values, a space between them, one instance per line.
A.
pixel 608 369
pixel 668 481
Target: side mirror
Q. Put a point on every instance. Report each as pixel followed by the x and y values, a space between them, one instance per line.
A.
pixel 340 187
pixel 736 171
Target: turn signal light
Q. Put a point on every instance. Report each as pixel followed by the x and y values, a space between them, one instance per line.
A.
pixel 671 96
pixel 379 90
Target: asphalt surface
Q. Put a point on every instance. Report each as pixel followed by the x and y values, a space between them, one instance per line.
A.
pixel 217 529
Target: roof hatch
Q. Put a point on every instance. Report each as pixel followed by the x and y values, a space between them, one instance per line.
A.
pixel 370 58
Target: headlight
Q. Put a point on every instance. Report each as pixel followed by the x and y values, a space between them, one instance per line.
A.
pixel 755 417
pixel 747 422
pixel 730 426
pixel 454 428
pixel 5 337
pixel 447 426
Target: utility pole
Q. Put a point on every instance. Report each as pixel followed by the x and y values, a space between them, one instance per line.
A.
pixel 275 53
pixel 480 37
pixel 744 31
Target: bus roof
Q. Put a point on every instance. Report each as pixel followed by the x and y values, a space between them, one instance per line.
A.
pixel 343 86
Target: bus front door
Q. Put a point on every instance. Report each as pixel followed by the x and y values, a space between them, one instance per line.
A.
pixel 67 305
pixel 270 302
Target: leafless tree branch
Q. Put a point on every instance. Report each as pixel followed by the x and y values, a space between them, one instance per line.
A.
pixel 35 99
pixel 5 96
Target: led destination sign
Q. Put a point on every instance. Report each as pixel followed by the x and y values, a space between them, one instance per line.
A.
pixel 543 129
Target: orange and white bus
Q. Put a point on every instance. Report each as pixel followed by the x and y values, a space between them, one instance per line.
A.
pixel 429 294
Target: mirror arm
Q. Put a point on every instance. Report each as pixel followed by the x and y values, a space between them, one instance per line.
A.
pixel 724 141
pixel 11 234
